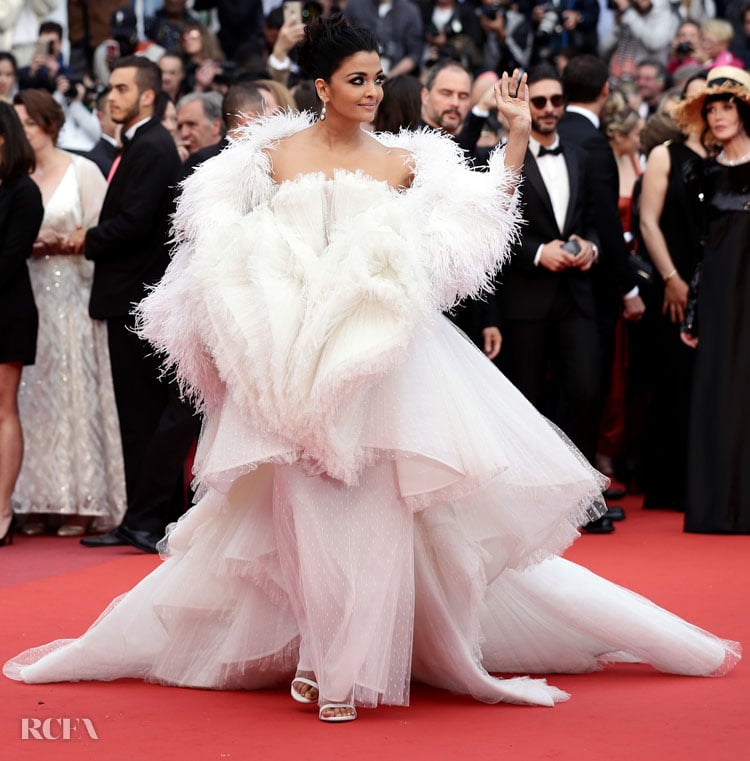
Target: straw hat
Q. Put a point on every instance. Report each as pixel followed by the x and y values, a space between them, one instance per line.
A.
pixel 723 79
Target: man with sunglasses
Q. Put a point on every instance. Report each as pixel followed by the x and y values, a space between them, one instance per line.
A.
pixel 548 318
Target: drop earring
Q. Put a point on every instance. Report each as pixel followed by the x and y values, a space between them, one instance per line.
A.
pixel 323 113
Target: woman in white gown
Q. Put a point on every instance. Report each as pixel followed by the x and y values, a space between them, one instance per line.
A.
pixel 377 502
pixel 72 473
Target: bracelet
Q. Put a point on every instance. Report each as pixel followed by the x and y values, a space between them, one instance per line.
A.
pixel 670 275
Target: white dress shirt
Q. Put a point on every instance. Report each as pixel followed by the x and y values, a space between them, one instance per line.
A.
pixel 554 173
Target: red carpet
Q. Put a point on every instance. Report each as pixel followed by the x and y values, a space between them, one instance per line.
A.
pixel 53 588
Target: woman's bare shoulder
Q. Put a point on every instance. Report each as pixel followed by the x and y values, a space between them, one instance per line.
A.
pixel 286 152
pixel 398 164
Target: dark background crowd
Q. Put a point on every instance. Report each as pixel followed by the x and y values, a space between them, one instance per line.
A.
pixel 591 335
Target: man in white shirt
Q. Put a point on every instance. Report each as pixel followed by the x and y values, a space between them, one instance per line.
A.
pixel 551 348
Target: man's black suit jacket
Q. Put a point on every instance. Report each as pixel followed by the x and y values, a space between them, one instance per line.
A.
pixel 203 154
pixel 103 155
pixel 528 291
pixel 614 270
pixel 129 244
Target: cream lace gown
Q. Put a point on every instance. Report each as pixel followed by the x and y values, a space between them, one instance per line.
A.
pixel 377 502
pixel 72 452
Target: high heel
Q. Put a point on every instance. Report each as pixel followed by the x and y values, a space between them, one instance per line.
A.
pixel 32 526
pixel 8 537
pixel 75 526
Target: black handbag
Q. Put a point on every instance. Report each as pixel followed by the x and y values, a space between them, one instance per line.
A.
pixel 643 270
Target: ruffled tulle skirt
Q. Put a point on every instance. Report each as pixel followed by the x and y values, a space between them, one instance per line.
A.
pixel 437 562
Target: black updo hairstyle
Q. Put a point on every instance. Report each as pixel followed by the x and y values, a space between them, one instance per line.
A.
pixel 328 41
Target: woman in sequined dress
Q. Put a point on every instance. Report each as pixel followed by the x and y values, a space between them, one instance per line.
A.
pixel 72 468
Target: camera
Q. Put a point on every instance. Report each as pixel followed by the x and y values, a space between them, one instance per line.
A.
pixel 491 11
pixel 72 92
pixel 45 47
pixel 684 48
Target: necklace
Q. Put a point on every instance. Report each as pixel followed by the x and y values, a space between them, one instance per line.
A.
pixel 724 159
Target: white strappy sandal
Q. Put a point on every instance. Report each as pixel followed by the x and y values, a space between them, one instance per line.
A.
pixel 346 717
pixel 298 696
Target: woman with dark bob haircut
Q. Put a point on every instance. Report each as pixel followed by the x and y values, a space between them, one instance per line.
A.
pixel 376 498
pixel 20 217
pixel 72 474
pixel 46 112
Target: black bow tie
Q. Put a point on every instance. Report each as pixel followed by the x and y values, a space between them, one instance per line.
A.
pixel 549 151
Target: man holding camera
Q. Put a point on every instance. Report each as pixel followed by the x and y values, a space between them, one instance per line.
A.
pixel 551 350
pixel 47 62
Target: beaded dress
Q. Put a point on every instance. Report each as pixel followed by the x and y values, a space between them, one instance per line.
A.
pixel 72 461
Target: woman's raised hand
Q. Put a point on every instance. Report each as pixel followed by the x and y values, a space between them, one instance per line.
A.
pixel 512 100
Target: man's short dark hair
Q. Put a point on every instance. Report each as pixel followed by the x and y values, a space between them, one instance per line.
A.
pixel 51 27
pixel 542 72
pixel 101 98
pixel 243 97
pixel 176 56
pixel 584 78
pixel 147 73
pixel 661 69
pixel 435 69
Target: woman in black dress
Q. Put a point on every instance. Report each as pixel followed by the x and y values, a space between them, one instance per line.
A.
pixel 670 230
pixel 21 213
pixel 718 498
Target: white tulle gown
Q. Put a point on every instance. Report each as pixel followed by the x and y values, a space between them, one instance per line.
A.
pixel 378 503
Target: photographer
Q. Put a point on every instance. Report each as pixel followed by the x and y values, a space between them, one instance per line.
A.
pixel 122 41
pixel 47 62
pixel 452 31
pixel 686 47
pixel 642 29
pixel 564 24
pixel 82 129
pixel 509 37
pixel 398 29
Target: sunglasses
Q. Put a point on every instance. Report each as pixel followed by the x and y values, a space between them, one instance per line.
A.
pixel 540 101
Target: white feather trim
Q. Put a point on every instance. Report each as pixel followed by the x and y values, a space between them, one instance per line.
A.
pixel 294 298
pixel 468 219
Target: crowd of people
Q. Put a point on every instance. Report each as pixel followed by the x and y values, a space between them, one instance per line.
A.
pixel 591 319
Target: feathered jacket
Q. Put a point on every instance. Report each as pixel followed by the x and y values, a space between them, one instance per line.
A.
pixel 293 299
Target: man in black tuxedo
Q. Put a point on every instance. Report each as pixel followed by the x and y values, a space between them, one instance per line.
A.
pixel 546 298
pixel 586 88
pixel 130 251
pixel 445 108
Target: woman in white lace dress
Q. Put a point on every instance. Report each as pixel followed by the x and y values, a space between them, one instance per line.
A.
pixel 72 473
pixel 377 502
